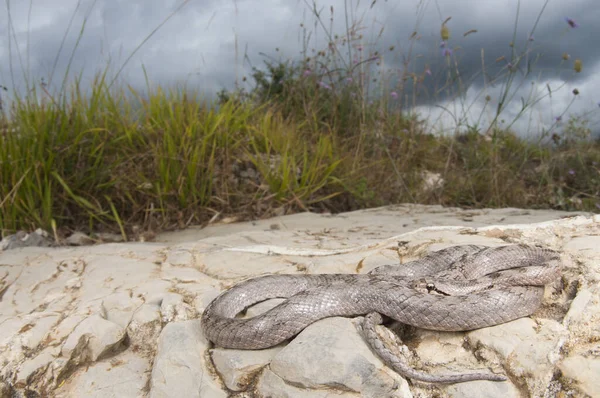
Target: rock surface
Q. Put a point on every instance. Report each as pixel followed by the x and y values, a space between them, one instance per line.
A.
pixel 122 319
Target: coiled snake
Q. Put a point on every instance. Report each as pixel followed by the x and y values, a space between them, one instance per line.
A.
pixel 455 289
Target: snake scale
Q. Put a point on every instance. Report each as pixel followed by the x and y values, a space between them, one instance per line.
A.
pixel 455 289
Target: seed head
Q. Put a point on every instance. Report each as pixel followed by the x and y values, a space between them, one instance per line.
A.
pixel 445 32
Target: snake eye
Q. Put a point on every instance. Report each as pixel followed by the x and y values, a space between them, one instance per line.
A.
pixel 430 287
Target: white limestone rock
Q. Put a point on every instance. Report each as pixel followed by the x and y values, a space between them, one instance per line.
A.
pixel 332 354
pixel 122 319
pixel 93 338
pixel 238 368
pixel 180 367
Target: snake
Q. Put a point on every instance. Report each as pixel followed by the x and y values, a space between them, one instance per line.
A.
pixel 459 288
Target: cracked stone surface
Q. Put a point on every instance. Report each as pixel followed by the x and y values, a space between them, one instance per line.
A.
pixel 122 319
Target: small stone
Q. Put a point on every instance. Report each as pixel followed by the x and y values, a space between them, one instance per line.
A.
pixel 79 239
pixel 108 237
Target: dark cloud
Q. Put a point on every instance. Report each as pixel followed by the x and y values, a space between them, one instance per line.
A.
pixel 208 44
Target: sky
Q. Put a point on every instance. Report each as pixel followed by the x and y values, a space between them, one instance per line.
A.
pixel 209 45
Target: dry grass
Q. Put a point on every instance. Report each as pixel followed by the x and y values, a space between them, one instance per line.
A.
pixel 312 135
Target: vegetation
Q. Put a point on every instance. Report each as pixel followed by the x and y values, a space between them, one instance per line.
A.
pixel 331 132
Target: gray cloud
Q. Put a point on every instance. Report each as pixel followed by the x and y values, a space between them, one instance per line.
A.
pixel 208 44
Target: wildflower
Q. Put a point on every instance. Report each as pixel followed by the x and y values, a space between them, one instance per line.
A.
pixel 428 71
pixel 446 52
pixel 394 95
pixel 445 32
pixel 359 48
pixel 442 44
pixel 577 65
pixel 571 22
pixel 348 80
pixel 531 38
pixel 307 72
pixel 572 172
pixel 558 119
pixel 325 85
pixel 565 57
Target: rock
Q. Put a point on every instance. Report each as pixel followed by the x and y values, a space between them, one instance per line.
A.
pixel 123 376
pixel 447 352
pixel 529 349
pixel 482 389
pixel 79 239
pixel 180 368
pixel 37 238
pixel 34 368
pixel 93 338
pixel 108 237
pixel 581 365
pixel 331 353
pixel 120 307
pixel 271 385
pixel 238 368
pixel 144 328
pixel 583 369
pixel 122 319
pixel 174 308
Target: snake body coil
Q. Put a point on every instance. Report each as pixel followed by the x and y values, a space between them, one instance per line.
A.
pixel 459 288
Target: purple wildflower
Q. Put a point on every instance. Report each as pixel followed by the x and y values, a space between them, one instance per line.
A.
pixel 394 95
pixel 348 80
pixel 571 22
pixel 572 172
pixel 428 72
pixel 558 119
pixel 306 73
pixel 446 52
pixel 531 38
pixel 325 85
pixel 442 44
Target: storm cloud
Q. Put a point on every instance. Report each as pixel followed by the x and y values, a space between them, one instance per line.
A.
pixel 209 45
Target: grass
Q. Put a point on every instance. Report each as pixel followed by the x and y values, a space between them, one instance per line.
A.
pixel 333 132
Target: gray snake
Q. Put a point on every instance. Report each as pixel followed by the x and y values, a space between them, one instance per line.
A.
pixel 455 289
